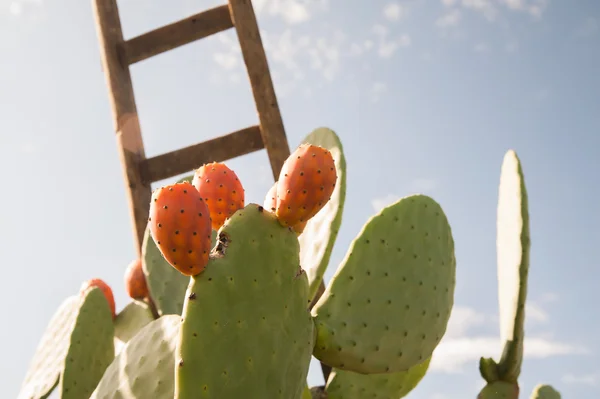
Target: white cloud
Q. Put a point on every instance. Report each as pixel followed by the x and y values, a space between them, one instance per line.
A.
pixel 15 8
pixel 535 313
pixel 226 60
pixel 393 11
pixel 592 379
pixel 451 18
pixel 291 11
pixel 387 47
pixel 460 349
pixel 448 3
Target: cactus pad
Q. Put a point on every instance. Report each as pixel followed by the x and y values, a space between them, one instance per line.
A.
pixel 246 330
pixel 320 233
pixel 388 305
pixel 48 360
pixel 91 347
pixel 145 367
pixel 499 390
pixel 513 264
pixel 130 320
pixel 348 385
pixel 543 391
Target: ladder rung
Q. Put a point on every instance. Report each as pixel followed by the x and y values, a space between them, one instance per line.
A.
pixel 178 34
pixel 189 158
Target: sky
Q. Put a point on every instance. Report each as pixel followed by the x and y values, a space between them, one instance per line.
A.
pixel 426 96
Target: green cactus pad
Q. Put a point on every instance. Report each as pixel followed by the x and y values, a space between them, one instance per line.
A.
pixel 348 385
pixel 145 367
pixel 48 360
pixel 91 347
pixel 246 330
pixel 499 390
pixel 513 244
pixel 130 320
pixel 388 305
pixel 306 392
pixel 543 391
pixel 320 233
pixel 166 284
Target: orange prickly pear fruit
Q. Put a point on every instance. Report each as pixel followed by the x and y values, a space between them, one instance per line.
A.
pixel 271 205
pixel 135 280
pixel 221 189
pixel 305 184
pixel 106 290
pixel 180 225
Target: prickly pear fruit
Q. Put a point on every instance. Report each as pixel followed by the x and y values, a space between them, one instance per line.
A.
pixel 221 189
pixel 305 184
pixel 105 288
pixel 135 280
pixel 271 204
pixel 181 227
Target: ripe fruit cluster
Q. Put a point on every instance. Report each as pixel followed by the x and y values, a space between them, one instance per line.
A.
pixel 183 215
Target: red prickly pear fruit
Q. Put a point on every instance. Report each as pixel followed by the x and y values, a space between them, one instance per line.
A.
pixel 135 280
pixel 221 189
pixel 106 290
pixel 305 184
pixel 271 205
pixel 180 226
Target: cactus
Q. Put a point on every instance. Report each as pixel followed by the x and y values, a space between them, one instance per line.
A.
pixel 348 385
pixel 513 244
pixel 250 303
pixel 145 367
pixel 499 390
pixel 543 391
pixel 388 305
pixel 75 350
pixel 239 322
pixel 319 234
pixel 165 284
pixel 129 321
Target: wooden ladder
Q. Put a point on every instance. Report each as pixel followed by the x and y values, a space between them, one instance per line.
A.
pixel 118 54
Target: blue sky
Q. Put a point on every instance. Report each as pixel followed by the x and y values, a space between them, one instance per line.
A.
pixel 426 96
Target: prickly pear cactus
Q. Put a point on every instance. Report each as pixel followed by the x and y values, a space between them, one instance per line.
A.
pixel 91 347
pixel 48 361
pixel 129 321
pixel 387 307
pixel 543 391
pixel 348 385
pixel 500 390
pixel 320 233
pixel 513 244
pixel 76 348
pixel 145 367
pixel 166 285
pixel 246 329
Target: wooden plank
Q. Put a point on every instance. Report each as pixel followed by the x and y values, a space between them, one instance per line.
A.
pixel 271 124
pixel 219 149
pixel 124 112
pixel 178 34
